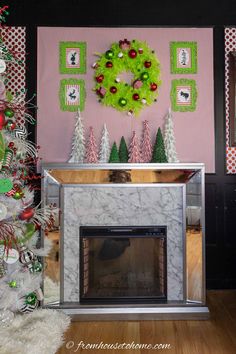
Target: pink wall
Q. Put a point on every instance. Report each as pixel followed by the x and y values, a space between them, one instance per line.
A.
pixel 194 131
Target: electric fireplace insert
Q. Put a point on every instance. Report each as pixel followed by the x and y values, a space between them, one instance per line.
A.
pixel 125 264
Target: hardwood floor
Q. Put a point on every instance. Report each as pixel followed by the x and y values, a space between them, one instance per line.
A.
pixel 215 336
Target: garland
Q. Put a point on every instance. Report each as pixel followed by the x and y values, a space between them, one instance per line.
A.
pixel 135 57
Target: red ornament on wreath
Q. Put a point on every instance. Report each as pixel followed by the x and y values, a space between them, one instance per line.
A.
pixel 147 64
pixel 153 86
pixel 100 78
pixel 132 53
pixel 113 89
pixel 27 214
pixel 109 64
pixel 136 96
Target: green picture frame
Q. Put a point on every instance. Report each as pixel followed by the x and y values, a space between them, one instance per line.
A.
pixel 183 57
pixel 183 95
pixel 72 94
pixel 72 57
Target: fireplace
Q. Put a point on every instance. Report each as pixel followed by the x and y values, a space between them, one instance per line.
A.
pixel 123 264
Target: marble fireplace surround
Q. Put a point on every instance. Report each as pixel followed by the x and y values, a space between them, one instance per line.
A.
pixel 158 194
pixel 124 205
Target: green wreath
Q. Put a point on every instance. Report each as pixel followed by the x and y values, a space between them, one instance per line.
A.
pixel 135 57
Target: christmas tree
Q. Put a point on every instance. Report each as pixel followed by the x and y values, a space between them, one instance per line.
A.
pixel 123 151
pixel 78 143
pixel 20 220
pixel 146 145
pixel 91 151
pixel 104 153
pixel 134 151
pixel 159 154
pixel 169 138
pixel 114 156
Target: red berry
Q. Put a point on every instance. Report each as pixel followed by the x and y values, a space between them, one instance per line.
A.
pixel 136 96
pixel 11 144
pixel 109 64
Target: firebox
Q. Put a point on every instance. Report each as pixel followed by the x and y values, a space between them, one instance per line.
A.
pixel 123 264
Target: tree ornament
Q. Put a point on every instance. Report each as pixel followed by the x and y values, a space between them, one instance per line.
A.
pixel 29 230
pixel 146 145
pixel 11 256
pixel 169 138
pixel 109 54
pixel 27 214
pixel 2 119
pixel 100 78
pixel 114 156
pixel 143 100
pixel 123 151
pixel 18 195
pixel 109 64
pixel 134 151
pixel 36 267
pixel 31 299
pixel 12 284
pixel 104 153
pixel 144 76
pixel 132 53
pixel 153 86
pixel 132 63
pixel 28 308
pixel 122 101
pixel 10 125
pixel 113 89
pixel 78 141
pixel 9 113
pixel 140 50
pixel 91 152
pixel 135 96
pixel 26 257
pixel 159 154
pixel 5 185
pixel 147 64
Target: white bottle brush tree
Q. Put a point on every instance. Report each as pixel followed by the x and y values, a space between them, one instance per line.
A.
pixel 78 142
pixel 169 138
pixel 105 150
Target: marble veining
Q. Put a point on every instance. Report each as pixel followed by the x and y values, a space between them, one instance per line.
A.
pixel 101 205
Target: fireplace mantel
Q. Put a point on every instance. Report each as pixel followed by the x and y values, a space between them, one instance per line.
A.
pixel 141 194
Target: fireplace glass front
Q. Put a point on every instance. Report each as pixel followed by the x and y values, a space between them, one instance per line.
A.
pixel 123 264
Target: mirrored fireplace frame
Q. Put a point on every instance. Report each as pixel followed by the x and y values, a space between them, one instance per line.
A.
pixel 173 309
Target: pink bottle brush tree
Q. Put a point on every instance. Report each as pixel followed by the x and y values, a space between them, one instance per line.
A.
pixel 92 150
pixel 146 145
pixel 134 150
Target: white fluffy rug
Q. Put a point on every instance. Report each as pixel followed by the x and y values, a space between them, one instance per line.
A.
pixel 40 332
